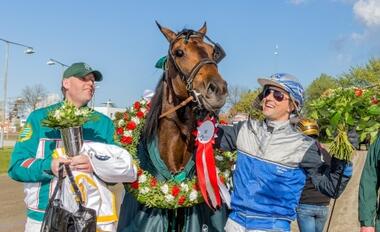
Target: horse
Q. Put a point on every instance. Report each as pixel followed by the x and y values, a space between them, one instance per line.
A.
pixel 191 88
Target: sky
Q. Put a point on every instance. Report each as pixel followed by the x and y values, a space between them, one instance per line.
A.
pixel 121 40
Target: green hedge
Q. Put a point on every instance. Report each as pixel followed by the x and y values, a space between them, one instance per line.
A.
pixel 5 155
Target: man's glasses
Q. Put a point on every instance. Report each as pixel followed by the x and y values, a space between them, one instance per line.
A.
pixel 277 95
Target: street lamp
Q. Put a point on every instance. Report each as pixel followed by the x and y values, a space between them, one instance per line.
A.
pixel 29 50
pixel 54 62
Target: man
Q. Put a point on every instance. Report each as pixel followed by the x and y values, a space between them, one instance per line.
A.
pixel 273 160
pixel 32 161
pixel 369 189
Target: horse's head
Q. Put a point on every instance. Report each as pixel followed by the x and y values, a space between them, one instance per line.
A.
pixel 195 64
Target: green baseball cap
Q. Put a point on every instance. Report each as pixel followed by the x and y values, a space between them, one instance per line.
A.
pixel 81 70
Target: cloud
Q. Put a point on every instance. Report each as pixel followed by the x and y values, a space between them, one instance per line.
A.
pixel 368 11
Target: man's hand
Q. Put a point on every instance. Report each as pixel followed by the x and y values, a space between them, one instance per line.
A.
pixel 81 163
pixel 367 229
pixel 55 165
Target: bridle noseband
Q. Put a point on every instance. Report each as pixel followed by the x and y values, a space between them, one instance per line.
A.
pixel 188 78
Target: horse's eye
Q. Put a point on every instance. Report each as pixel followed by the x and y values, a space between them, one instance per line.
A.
pixel 178 53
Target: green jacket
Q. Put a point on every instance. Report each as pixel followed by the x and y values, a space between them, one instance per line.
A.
pixel 32 156
pixel 369 187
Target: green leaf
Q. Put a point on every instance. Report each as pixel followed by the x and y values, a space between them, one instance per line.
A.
pixel 335 119
pixel 374 110
pixel 328 132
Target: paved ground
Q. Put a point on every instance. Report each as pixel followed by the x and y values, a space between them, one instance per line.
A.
pixel 12 213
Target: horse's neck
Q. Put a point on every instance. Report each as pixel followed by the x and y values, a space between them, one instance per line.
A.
pixel 175 139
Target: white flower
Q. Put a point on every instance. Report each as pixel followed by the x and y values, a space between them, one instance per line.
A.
pixel 219 158
pixel 226 174
pixel 169 198
pixel 136 120
pixel 127 133
pixel 144 190
pixel 165 188
pixel 142 178
pixel 184 187
pixel 121 123
pixel 143 102
pixel 193 195
pixel 78 113
pixel 57 114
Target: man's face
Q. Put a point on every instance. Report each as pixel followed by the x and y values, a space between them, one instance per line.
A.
pixel 277 105
pixel 79 91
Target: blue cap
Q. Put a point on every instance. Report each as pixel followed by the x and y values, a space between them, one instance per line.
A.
pixel 287 82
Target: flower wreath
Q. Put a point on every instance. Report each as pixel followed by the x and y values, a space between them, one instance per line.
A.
pixel 147 189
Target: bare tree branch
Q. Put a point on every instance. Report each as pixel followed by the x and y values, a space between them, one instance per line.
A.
pixel 31 95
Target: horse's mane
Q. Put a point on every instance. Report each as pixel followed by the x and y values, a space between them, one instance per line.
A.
pixel 151 124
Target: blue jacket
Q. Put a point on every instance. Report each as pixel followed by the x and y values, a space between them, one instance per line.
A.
pixel 273 161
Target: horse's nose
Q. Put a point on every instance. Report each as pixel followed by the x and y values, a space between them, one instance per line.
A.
pixel 217 87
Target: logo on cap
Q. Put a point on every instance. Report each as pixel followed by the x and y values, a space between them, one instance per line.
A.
pixel 87 67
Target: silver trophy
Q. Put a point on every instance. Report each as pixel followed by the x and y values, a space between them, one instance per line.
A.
pixel 72 138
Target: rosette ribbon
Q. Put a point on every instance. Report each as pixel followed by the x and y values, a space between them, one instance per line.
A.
pixel 210 185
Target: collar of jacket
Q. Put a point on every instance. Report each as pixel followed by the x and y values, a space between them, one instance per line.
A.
pixel 275 126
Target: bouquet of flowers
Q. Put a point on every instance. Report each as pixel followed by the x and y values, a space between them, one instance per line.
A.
pixel 68 115
pixel 342 109
pixel 69 120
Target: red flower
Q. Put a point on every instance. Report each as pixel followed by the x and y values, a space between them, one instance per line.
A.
pixel 126 139
pixel 131 125
pixel 126 116
pixel 196 187
pixel 139 172
pixel 222 122
pixel 175 190
pixel 358 92
pixel 153 182
pixel 135 185
pixel 181 200
pixel 140 114
pixel 148 105
pixel 137 105
pixel 120 131
pixel 374 100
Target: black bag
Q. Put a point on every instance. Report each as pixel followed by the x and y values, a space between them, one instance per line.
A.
pixel 58 219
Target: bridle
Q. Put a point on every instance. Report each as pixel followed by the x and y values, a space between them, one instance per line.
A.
pixel 188 78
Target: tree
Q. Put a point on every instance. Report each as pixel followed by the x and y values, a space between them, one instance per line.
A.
pixel 32 95
pixel 234 94
pixel 17 108
pixel 362 76
pixel 246 105
pixel 316 89
pixel 319 86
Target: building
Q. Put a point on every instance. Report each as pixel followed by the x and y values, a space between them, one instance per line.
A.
pixel 109 109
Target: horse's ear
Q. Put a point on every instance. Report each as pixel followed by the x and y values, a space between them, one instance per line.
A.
pixel 203 29
pixel 169 34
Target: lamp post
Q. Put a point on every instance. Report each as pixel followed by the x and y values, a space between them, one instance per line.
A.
pixel 28 50
pixel 53 62
pixel 276 53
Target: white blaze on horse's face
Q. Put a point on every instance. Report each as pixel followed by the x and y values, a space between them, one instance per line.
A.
pixel 193 58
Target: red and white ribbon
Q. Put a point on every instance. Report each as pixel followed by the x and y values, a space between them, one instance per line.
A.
pixel 205 163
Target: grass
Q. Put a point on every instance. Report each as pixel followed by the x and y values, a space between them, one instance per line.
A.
pixel 5 155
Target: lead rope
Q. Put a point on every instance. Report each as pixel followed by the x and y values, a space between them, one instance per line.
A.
pixel 336 193
pixel 182 104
